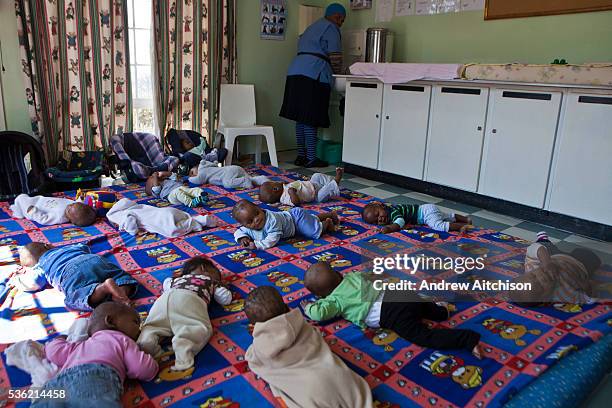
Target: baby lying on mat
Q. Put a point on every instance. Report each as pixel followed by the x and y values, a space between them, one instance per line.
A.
pixel 53 210
pixel 394 217
pixel 182 312
pixel 93 371
pixel 291 356
pixel 354 298
pixel 85 279
pixel 164 185
pixel 228 176
pixel 168 221
pixel 262 229
pixel 319 188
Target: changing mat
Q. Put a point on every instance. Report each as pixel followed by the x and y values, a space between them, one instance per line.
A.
pixel 586 74
pixel 397 73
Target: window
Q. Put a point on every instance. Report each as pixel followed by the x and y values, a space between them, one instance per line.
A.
pixel 140 32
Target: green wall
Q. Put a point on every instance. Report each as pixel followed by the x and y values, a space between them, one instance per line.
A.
pixel 15 104
pixel 466 37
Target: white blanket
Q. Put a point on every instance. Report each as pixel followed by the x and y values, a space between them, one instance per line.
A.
pixel 168 221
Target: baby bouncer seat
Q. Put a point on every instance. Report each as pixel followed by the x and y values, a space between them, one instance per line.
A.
pixel 140 154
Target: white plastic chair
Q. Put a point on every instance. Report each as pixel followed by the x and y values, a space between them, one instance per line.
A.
pixel 237 117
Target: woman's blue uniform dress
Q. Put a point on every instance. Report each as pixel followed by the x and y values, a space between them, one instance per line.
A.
pixel 309 78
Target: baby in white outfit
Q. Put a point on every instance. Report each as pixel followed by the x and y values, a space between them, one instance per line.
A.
pixel 319 188
pixel 53 210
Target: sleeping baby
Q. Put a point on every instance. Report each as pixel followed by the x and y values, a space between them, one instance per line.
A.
pixel 227 176
pixel 262 229
pixel 168 222
pixel 182 312
pixel 164 185
pixel 319 188
pixel 53 210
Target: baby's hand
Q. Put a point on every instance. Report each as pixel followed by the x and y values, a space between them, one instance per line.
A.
pixel 304 303
pixel 252 245
pixel 245 241
pixel 30 209
pixel 385 230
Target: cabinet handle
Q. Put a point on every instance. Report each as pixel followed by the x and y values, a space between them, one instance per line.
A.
pixel 464 91
pixel 387 117
pixel 527 95
pixel 494 131
pixel 479 128
pixel 377 116
pixel 595 99
pixel 363 85
pixel 408 88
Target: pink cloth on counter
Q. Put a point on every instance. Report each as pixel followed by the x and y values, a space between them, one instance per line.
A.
pixel 108 347
pixel 397 73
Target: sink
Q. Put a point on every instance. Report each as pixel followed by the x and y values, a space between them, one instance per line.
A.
pixel 340 83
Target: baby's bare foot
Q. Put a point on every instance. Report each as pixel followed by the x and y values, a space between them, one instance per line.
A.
pixel 117 292
pixel 328 225
pixel 334 217
pixel 476 352
pixel 339 174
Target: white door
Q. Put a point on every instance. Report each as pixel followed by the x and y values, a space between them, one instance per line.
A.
pixel 403 134
pixel 518 145
pixel 581 180
pixel 455 140
pixel 362 123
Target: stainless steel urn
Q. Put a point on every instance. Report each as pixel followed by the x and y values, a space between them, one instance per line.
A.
pixel 379 45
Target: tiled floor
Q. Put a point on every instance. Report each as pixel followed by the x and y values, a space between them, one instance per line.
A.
pixel 481 218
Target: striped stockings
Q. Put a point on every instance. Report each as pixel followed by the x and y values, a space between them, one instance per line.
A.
pixel 306 140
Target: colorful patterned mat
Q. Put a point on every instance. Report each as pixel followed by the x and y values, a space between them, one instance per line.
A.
pixel 399 373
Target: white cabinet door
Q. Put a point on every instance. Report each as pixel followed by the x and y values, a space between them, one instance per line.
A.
pixel 403 132
pixel 521 127
pixel 362 123
pixel 581 180
pixel 455 140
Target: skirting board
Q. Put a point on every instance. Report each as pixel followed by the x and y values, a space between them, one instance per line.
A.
pixel 561 221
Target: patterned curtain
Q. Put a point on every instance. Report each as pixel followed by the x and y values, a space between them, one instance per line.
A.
pixel 75 63
pixel 183 47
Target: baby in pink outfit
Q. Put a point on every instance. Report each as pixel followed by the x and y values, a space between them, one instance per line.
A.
pixel 94 369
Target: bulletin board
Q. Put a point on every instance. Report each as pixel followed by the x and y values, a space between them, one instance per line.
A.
pixel 496 9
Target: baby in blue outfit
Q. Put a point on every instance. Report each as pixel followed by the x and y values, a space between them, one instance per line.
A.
pixel 262 229
pixel 85 279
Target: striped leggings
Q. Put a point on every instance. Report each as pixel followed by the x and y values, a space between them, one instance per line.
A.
pixel 306 140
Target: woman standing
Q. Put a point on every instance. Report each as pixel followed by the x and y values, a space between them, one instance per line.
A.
pixel 309 81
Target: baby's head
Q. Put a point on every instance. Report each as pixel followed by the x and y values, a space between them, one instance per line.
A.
pixel 375 213
pixel 264 303
pixel 193 171
pixel 152 181
pixel 321 279
pixel 249 215
pixel 29 254
pixel 187 144
pixel 201 266
pixel 80 214
pixel 271 191
pixel 115 316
